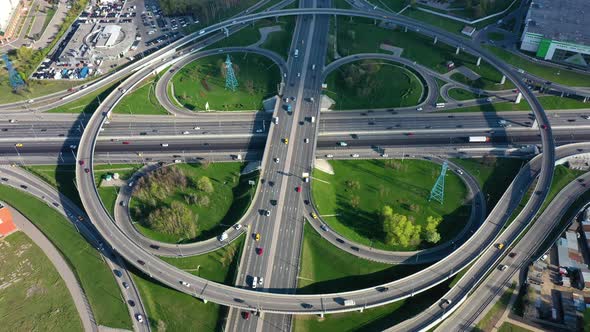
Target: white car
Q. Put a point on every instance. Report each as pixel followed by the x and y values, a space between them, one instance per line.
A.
pixel 259 130
pixel 139 318
pixel 197 128
pixel 306 140
pixel 260 281
pixel 73 147
pixel 419 109
pixel 164 145
pixel 488 99
pixel 185 284
pixel 355 155
pixel 185 132
pixel 254 282
pixel 277 160
pixel 329 156
pixel 237 227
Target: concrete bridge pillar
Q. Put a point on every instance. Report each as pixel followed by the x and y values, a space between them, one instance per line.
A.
pixel 503 80
pixel 435 39
pixel 405 29
pixel 518 98
pixel 458 49
pixel 205 301
pixel 478 61
pixel 562 93
pixel 585 99
pixel 361 310
pixel 322 315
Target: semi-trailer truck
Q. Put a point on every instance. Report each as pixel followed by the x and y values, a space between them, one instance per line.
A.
pixel 478 139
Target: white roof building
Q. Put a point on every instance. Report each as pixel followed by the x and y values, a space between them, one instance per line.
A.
pixel 8 7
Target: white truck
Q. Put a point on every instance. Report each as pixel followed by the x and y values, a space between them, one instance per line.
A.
pixel 312 119
pixel 478 139
pixel 348 303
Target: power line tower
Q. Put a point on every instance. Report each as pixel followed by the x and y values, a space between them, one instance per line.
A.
pixel 438 190
pixel 15 80
pixel 231 82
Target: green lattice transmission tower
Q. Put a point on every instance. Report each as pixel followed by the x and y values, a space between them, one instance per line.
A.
pixel 438 191
pixel 231 82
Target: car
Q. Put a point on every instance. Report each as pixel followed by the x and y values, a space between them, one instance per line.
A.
pixel 587 117
pixel 185 132
pixel 298 74
pixel 277 160
pixel 410 134
pixel 444 303
pixel 86 170
pixel 259 251
pixel 184 283
pixel 80 218
pixel 19 145
pixel 384 155
pixel 259 130
pixel 257 237
pixel 23 186
pixel 489 99
pixel 298 189
pixel 306 140
pixel 342 143
pixel 294 98
pixel 125 285
pixel 12 121
pixel 197 128
pixel 544 257
pixel 314 215
pixel 126 142
pixel 164 145
pixel 329 156
pixel 140 262
pixel 355 155
pixel 73 147
pixel 419 109
pixel 512 254
pixel 544 126
pixel 139 318
pixel 306 201
pixel 246 315
pixel 131 303
pixel 123 204
pixel 254 282
pixel 500 245
pixel 286 140
pixel 502 267
pixel 273 202
pixel 324 227
pixel 267 213
pixel 260 280
pixel 4 179
pixel 237 227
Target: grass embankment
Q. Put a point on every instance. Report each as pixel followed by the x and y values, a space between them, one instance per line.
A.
pixel 175 311
pixel 494 314
pixel 203 81
pixel 142 100
pixel 494 175
pixel 362 36
pixel 86 104
pixel 552 74
pixel 93 274
pixel 368 84
pixel 460 94
pixel 405 186
pixel 509 327
pixel 548 103
pixel 280 41
pixel 325 268
pixel 33 296
pixel 230 198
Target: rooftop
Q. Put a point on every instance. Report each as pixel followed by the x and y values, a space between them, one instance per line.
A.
pixel 565 20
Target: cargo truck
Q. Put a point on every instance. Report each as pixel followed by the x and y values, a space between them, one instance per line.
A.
pixel 478 139
pixel 348 303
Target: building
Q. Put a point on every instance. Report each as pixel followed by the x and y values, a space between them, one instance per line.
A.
pixel 468 30
pixel 6 224
pixel 108 36
pixel 558 31
pixel 10 15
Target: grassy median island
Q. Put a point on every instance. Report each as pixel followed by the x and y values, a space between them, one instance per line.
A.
pixel 94 275
pixel 191 202
pixel 325 268
pixel 141 100
pixel 374 84
pixel 33 296
pixel 203 81
pixel 352 200
pixel 174 311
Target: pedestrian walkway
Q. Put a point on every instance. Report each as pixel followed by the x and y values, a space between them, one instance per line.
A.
pixel 324 166
pixel 62 267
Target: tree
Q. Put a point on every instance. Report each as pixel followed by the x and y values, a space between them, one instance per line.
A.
pixel 204 184
pixel 177 219
pixel 355 201
pixel 431 233
pixel 399 230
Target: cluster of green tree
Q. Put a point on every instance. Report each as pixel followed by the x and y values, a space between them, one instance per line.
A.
pixel 361 77
pixel 176 219
pixel 208 11
pixel 401 230
pixel 480 8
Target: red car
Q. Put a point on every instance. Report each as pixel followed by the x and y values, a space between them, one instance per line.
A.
pixel 81 162
pixel 125 142
pixel 86 170
pixel 298 189
pixel 259 251
pixel 245 315
pixel 544 126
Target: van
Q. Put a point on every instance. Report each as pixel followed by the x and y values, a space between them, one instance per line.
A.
pixel 275 120
pixel 296 54
pixel 342 144
pixel 222 237
pixel 313 119
pixel 348 303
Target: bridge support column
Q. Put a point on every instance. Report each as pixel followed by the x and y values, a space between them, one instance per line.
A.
pixel 518 98
pixel 322 315
pixel 435 39
pixel 585 99
pixel 478 61
pixel 503 80
pixel 405 29
pixel 205 301
pixel 563 93
pixel 457 51
pixel 362 309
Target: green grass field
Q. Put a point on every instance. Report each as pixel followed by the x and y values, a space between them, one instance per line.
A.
pixel 494 175
pixel 406 185
pixel 405 90
pixel 93 274
pixel 35 88
pixel 86 104
pixel 174 311
pixel 219 266
pixel 280 41
pixel 509 327
pixel 202 81
pixel 488 321
pixel 325 268
pixel 438 21
pixel 548 103
pixel 496 36
pixel 556 75
pixel 228 202
pixel 34 298
pixel 362 36
pixel 141 101
pixel 460 94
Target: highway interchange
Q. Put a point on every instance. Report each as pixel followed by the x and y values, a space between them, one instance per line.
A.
pixel 239 134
